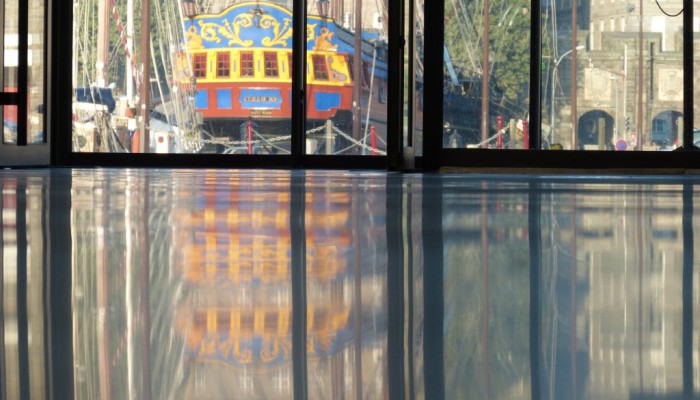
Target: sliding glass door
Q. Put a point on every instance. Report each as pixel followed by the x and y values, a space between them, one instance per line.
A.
pixel 24 139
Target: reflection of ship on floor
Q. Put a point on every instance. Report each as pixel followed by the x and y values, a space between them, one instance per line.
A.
pixel 241 64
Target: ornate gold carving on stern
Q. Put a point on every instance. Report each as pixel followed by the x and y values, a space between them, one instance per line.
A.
pixel 323 42
pixel 194 41
pixel 279 36
pixel 310 32
pixel 337 75
pixel 210 31
pixel 233 31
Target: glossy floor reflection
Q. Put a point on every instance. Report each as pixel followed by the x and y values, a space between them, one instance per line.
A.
pixel 180 284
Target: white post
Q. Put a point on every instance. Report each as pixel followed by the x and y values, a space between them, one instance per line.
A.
pixel 329 137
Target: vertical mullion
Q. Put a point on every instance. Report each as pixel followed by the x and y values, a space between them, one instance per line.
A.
pixel 688 75
pixel 433 83
pixel 298 83
pixel 22 72
pixel 58 112
pixel 395 84
pixel 535 111
pixel 297 224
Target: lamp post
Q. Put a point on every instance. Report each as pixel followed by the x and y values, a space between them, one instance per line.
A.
pixel 616 127
pixel 551 101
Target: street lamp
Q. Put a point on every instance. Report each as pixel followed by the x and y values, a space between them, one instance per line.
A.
pixel 551 100
pixel 617 111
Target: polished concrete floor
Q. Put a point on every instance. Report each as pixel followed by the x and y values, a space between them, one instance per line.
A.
pixel 222 284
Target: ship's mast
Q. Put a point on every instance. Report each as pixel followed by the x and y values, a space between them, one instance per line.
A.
pixel 130 48
pixel 144 92
pixel 357 73
pixel 102 59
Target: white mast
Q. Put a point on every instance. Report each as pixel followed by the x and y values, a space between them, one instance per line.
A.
pixel 130 49
pixel 102 43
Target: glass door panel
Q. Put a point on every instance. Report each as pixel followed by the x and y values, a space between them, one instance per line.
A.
pixel 616 81
pixel 24 140
pixel 347 77
pixel 486 64
pixel 217 73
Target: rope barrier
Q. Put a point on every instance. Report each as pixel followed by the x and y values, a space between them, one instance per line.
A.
pixel 231 146
pixel 488 140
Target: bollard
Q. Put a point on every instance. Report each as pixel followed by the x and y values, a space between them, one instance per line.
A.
pixel 250 137
pixel 499 128
pixel 526 135
pixel 135 141
pixel 329 137
pixel 373 139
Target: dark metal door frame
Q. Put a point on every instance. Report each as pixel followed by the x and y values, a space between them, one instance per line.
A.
pixel 22 153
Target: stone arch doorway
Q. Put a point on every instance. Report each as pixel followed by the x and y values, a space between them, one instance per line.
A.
pixel 666 128
pixel 595 131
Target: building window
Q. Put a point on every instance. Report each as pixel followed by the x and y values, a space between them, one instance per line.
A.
pixel 200 65
pixel 271 67
pixel 320 67
pixel 247 66
pixel 223 65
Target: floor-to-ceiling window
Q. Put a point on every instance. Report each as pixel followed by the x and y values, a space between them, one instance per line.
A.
pixel 486 74
pixel 612 75
pixel 184 77
pixel 346 78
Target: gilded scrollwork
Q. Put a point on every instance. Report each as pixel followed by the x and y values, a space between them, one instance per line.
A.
pixel 324 40
pixel 311 32
pixel 280 32
pixel 336 74
pixel 194 41
pixel 211 32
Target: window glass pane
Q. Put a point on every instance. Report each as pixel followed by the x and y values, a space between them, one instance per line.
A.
pixel 10 63
pixel 413 83
pixel 616 81
pixel 207 91
pixel 247 65
pixel 223 65
pixel 486 58
pixel 348 67
pixel 271 67
pixel 320 68
pixel 35 73
pixel 200 65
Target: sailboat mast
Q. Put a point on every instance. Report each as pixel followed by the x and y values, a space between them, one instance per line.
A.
pixel 130 48
pixel 102 43
pixel 144 92
pixel 357 73
pixel 485 72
